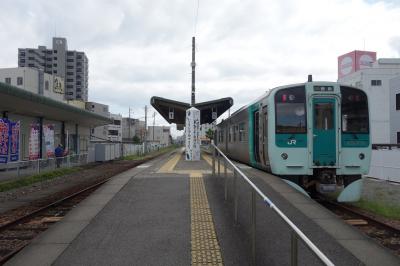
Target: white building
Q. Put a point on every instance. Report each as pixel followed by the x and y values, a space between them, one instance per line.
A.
pixel 111 132
pixel 35 81
pixel 380 80
pixel 394 85
pixel 114 130
pixel 159 135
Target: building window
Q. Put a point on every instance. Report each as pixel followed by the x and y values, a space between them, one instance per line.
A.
pixel 79 57
pixel 70 67
pixel 48 59
pixel 31 65
pixel 8 80
pixel 49 66
pixel 398 101
pixel 46 85
pixel 79 64
pixel 54 52
pixel 70 93
pixel 22 60
pixel 49 52
pixel 70 87
pixel 19 81
pixel 398 137
pixel 70 53
pixel 55 65
pixel 376 82
pixel 31 58
pixel 70 60
pixel 113 132
pixel 55 71
pixel 70 73
pixel 70 80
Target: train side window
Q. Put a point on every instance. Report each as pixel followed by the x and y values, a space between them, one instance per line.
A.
pixel 242 133
pixel 234 133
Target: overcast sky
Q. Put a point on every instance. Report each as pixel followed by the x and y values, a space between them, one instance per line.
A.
pixel 142 48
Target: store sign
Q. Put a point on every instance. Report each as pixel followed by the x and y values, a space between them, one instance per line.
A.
pixel 58 85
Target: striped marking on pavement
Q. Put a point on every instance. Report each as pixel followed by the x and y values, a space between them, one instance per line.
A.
pixel 205 249
pixel 169 166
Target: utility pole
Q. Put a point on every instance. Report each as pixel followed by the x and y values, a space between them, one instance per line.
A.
pixel 145 128
pixel 129 124
pixel 193 64
pixel 154 121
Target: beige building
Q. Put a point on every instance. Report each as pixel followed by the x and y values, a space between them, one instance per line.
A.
pixel 35 81
pixel 159 135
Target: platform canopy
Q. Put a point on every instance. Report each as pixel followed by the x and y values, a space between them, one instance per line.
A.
pixel 175 112
pixel 18 101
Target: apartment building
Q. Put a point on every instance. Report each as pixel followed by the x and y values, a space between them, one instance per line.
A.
pixel 68 64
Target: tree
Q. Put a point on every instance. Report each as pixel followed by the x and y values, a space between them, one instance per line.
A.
pixel 136 140
pixel 210 134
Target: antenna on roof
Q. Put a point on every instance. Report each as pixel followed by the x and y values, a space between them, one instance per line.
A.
pixel 309 78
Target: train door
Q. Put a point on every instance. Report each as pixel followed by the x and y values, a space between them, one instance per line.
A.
pixel 324 131
pixel 256 132
pixel 265 135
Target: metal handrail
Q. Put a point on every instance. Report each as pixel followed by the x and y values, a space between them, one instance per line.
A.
pixel 297 232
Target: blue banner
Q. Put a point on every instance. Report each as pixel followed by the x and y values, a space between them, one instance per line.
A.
pixel 4 140
pixel 14 140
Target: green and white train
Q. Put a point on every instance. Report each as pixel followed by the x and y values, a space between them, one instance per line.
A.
pixel 314 135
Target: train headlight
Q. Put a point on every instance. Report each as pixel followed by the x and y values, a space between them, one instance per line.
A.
pixel 284 156
pixel 361 156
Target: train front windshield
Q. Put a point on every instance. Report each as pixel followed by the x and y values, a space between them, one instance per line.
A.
pixel 354 111
pixel 290 109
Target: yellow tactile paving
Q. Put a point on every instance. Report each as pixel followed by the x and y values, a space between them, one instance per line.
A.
pixel 205 249
pixel 170 165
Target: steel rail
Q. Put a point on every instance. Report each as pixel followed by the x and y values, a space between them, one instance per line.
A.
pixel 309 244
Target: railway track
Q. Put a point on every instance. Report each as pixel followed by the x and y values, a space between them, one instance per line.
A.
pixel 19 232
pixel 386 234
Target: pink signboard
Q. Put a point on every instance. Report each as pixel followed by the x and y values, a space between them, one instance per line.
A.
pixel 354 61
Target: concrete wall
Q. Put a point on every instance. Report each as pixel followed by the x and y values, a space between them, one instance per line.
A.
pixel 385 165
pixel 394 114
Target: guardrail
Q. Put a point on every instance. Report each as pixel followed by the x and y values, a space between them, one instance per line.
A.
pixel 296 233
pixel 31 167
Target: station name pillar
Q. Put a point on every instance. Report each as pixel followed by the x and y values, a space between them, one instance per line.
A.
pixel 192 134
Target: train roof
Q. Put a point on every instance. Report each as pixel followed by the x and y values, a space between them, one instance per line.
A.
pixel 268 92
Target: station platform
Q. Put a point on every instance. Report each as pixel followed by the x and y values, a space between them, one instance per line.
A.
pixel 172 212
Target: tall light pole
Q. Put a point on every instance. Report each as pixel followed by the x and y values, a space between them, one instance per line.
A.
pixel 129 124
pixel 193 65
pixel 154 121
